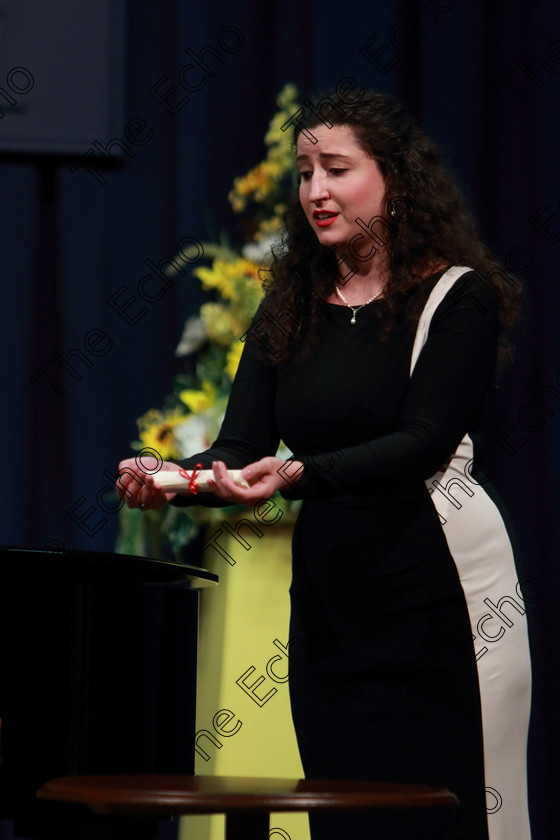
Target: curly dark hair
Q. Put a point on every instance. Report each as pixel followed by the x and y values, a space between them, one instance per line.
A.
pixel 430 227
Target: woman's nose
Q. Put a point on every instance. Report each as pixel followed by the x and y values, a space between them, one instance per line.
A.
pixel 318 189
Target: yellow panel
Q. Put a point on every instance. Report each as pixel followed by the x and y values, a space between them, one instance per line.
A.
pixel 249 730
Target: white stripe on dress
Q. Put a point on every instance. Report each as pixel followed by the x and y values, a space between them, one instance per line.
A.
pixel 482 552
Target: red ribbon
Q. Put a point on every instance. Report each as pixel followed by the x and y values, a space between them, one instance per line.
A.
pixel 193 486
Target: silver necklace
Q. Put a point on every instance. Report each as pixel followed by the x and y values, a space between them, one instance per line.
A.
pixel 361 306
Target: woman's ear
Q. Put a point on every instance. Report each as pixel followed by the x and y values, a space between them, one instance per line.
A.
pixel 399 207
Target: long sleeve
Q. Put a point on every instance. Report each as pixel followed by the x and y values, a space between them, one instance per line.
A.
pixel 441 403
pixel 248 431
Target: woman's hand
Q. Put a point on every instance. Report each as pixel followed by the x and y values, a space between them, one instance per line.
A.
pixel 137 483
pixel 264 478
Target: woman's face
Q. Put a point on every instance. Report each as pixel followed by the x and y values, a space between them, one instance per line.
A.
pixel 339 184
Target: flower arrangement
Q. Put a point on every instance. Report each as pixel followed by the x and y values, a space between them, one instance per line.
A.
pixel 192 414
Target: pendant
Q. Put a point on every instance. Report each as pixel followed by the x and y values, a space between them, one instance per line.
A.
pixel 353 319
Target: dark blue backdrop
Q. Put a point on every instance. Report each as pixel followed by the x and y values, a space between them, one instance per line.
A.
pixel 484 79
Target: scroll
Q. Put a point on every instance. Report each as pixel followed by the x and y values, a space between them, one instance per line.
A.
pixel 193 482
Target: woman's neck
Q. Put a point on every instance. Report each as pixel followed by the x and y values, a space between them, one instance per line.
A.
pixel 361 281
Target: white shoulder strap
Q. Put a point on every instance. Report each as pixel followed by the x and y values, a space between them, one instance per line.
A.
pixel 437 294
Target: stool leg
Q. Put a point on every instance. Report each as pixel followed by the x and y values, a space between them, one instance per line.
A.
pixel 247 826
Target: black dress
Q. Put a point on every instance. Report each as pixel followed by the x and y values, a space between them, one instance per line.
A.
pixel 410 656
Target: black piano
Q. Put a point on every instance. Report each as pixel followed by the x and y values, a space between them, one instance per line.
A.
pixel 97 672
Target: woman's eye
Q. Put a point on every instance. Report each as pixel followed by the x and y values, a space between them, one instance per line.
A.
pixel 305 176
pixel 337 171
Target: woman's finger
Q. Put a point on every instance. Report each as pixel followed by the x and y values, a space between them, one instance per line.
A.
pixel 222 485
pixel 130 481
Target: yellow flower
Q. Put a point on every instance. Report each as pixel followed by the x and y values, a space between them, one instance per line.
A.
pixel 221 324
pixel 268 226
pixel 214 277
pixel 261 182
pixel 228 278
pixel 280 141
pixel 157 431
pixel 257 184
pixel 238 204
pixel 232 359
pixel 199 401
pixel 287 101
pixel 288 96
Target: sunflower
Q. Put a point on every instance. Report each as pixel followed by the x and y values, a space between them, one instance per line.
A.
pixel 157 431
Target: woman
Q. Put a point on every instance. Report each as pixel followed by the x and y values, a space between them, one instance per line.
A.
pixel 382 325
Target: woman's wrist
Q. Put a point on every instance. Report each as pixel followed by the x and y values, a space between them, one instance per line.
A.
pixel 291 471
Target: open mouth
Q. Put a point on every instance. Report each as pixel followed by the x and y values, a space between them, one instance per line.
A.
pixel 323 218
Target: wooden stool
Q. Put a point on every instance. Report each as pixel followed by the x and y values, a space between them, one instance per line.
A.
pixel 246 802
